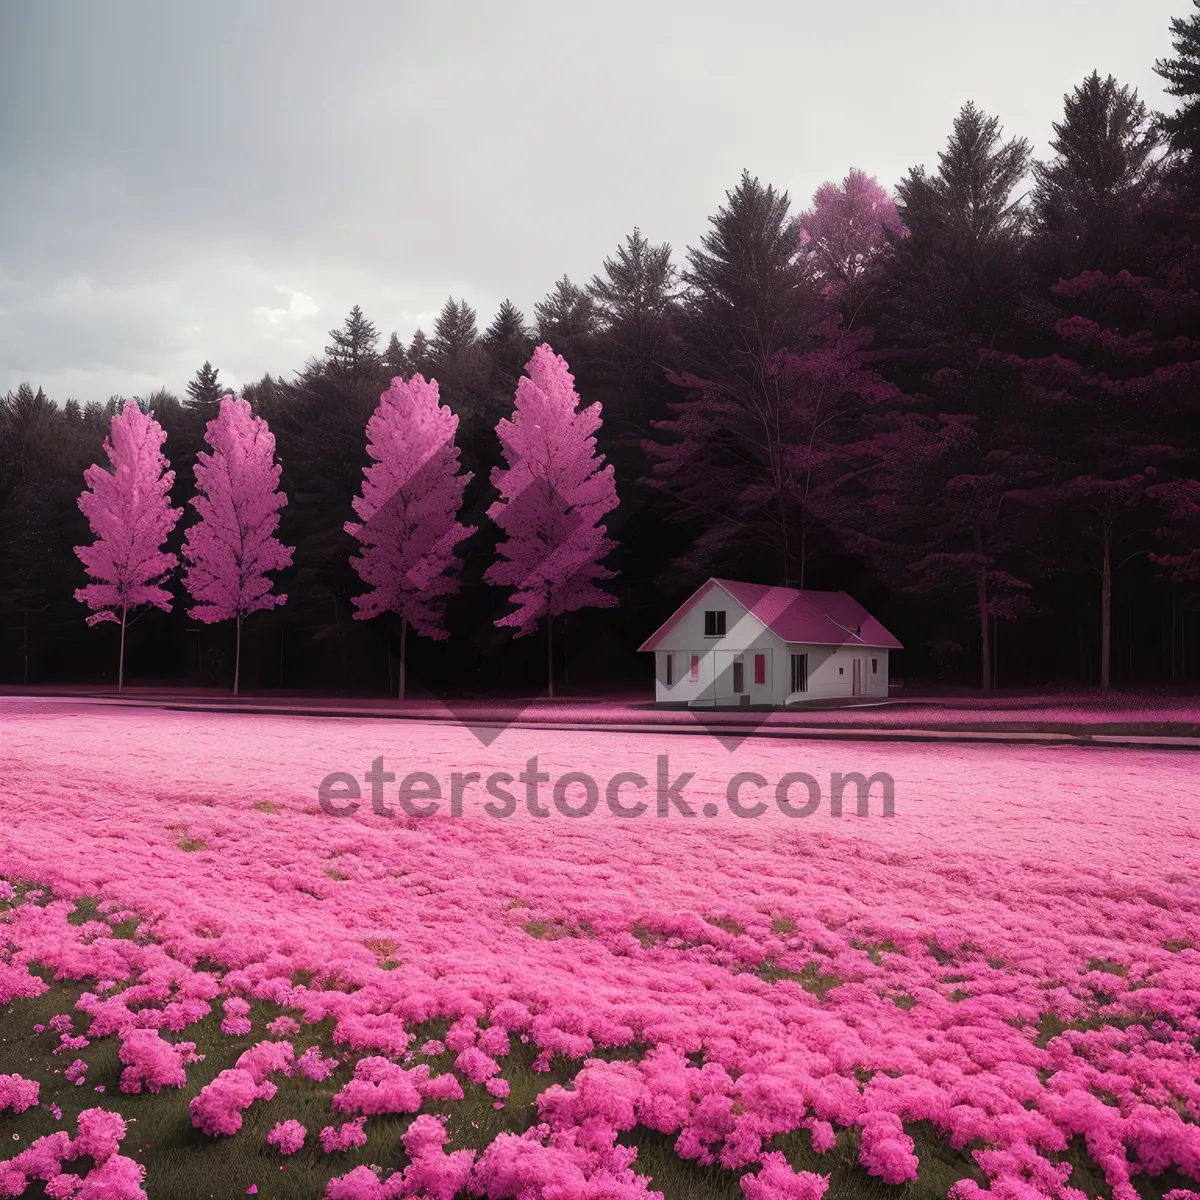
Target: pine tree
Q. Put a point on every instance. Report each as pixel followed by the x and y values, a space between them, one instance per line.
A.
pixel 353 351
pixel 268 398
pixel 420 361
pixel 1088 200
pixel 746 297
pixel 128 511
pixel 954 283
pixel 204 392
pixel 566 316
pixel 43 452
pixel 1114 408
pixel 1182 73
pixel 509 341
pixel 454 332
pixel 232 546
pixel 408 527
pixel 395 361
pixel 553 493
pixel 27 422
pixel 638 290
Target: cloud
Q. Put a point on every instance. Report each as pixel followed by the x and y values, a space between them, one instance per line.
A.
pixel 138 239
pixel 227 379
pixel 301 306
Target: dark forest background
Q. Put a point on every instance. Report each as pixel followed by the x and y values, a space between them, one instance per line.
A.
pixel 1019 454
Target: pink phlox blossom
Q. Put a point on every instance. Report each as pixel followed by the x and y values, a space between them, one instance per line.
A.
pixel 61 1187
pixel 886 1150
pixel 494 1040
pixel 432 1172
pixel 777 1181
pixel 511 1015
pixel 374 1090
pixel 100 1132
pixel 313 1066
pixel 264 1058
pixel 360 1184
pixel 382 1032
pixel 823 1136
pixel 566 1165
pixel 475 1065
pixel 18 1093
pixel 462 1034
pixel 218 1108
pixel 118 1178
pixel 349 1135
pixel 152 1061
pixel 606 1090
pixel 17 982
pixel 42 1159
pixel 288 1136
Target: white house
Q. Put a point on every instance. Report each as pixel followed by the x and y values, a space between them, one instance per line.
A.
pixel 734 644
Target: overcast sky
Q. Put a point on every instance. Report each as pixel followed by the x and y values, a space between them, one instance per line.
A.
pixel 183 180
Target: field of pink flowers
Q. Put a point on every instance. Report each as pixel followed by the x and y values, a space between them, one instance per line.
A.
pixel 213 987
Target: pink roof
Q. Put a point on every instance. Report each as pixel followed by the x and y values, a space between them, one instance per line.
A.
pixel 817 618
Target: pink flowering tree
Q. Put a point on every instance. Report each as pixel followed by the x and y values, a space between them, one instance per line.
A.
pixel 843 232
pixel 130 514
pixel 553 494
pixel 408 511
pixel 232 547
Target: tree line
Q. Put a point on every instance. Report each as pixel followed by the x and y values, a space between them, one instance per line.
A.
pixel 972 402
pixel 552 495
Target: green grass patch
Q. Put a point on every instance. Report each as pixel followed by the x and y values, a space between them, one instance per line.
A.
pixel 810 977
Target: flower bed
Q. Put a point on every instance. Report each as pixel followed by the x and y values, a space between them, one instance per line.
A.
pixel 997 988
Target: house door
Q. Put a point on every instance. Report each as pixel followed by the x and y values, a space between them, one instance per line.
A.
pixel 857 689
pixel 730 676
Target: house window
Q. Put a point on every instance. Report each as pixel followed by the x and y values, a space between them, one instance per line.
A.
pixel 670 669
pixel 694 676
pixel 841 670
pixel 874 666
pixel 760 668
pixel 799 672
pixel 739 682
pixel 714 624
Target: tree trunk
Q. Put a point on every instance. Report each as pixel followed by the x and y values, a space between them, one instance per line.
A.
pixel 237 656
pixel 985 631
pixel 121 659
pixel 984 616
pixel 1106 612
pixel 566 687
pixel 1174 622
pixel 550 653
pixel 783 529
pixel 995 652
pixel 26 647
pixel 403 649
pixel 803 554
